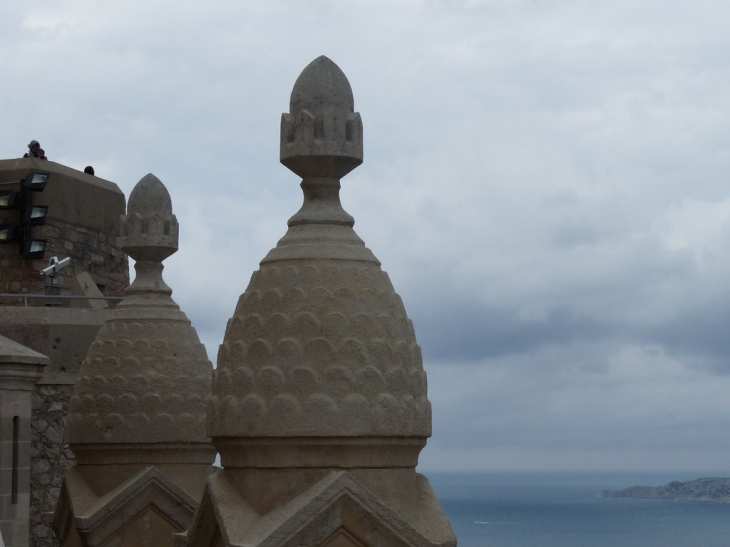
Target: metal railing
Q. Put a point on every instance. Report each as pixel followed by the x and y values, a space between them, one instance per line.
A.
pixel 58 297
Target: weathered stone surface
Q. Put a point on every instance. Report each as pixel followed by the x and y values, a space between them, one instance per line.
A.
pixel 146 509
pixel 320 343
pixel 49 451
pixel 146 378
pixel 320 350
pixel 335 510
pixel 321 136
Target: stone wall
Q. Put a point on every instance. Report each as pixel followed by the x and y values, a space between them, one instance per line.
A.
pixel 89 250
pixel 50 455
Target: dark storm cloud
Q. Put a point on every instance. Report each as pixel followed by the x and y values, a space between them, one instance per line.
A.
pixel 467 331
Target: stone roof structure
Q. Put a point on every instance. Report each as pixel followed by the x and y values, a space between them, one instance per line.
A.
pixel 320 343
pixel 319 407
pixel 138 413
pixel 146 378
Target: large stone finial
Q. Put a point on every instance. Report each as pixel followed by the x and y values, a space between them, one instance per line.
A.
pixel 322 134
pixel 320 344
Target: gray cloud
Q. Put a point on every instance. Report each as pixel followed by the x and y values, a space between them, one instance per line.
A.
pixel 545 183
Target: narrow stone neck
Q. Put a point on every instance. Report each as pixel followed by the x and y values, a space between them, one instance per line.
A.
pixel 149 278
pixel 321 203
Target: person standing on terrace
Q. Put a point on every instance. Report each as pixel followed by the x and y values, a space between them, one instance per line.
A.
pixel 35 151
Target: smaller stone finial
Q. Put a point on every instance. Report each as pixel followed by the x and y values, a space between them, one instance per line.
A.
pixel 149 233
pixel 322 134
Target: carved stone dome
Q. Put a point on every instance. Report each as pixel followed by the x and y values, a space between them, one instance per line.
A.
pixel 320 344
pixel 146 378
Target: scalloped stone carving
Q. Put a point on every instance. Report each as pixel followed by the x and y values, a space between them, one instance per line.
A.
pixel 340 357
pixel 320 344
pixel 146 377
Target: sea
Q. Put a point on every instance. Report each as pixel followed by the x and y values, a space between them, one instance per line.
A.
pixel 566 510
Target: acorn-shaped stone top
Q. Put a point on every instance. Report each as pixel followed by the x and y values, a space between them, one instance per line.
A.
pixel 149 229
pixel 320 344
pixel 321 136
pixel 146 379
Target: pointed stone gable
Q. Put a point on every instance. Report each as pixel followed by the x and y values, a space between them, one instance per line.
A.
pixel 337 510
pixel 148 502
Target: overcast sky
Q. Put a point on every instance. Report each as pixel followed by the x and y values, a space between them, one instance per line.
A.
pixel 546 182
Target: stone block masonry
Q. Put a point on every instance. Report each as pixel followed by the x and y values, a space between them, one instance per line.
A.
pixel 89 251
pixel 50 456
pixel 82 223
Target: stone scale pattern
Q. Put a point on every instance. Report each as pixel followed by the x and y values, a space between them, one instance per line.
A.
pixel 122 397
pixel 319 407
pixel 146 378
pixel 329 340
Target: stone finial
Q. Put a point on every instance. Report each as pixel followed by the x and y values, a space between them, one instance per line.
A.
pixel 149 233
pixel 146 377
pixel 322 134
pixel 320 344
pixel 319 408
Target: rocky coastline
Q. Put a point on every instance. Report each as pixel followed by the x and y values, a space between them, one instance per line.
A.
pixel 714 490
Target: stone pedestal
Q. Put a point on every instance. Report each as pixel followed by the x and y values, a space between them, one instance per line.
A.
pixel 20 369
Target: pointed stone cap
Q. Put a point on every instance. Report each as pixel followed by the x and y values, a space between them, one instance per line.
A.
pixel 146 378
pixel 20 366
pixel 321 136
pixel 320 344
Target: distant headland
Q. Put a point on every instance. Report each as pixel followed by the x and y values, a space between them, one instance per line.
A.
pixel 716 490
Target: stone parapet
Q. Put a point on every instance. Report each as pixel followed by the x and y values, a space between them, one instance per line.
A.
pixel 63 334
pixel 82 223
